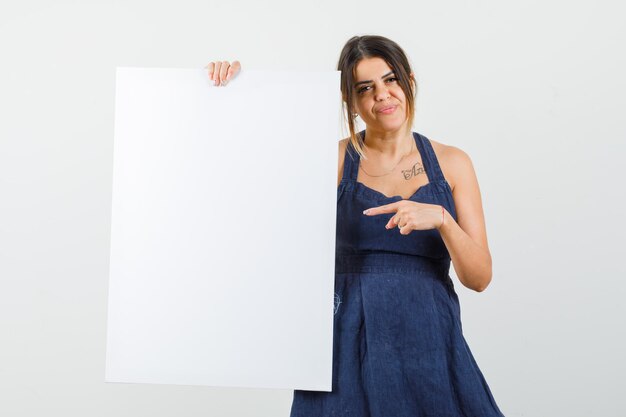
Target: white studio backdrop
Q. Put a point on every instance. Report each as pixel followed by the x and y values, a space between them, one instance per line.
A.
pixel 223 232
pixel 533 91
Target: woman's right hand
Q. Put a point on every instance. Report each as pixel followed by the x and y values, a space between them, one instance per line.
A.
pixel 222 71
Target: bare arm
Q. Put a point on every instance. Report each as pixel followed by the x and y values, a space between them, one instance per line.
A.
pixel 467 240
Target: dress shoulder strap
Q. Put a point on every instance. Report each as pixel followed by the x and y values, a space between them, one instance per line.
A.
pixel 429 158
pixel 351 161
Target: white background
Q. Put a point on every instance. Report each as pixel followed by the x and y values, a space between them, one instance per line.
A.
pixel 533 91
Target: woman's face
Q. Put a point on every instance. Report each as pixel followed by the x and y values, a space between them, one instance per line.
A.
pixel 375 89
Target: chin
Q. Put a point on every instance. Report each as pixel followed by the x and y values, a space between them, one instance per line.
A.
pixel 392 125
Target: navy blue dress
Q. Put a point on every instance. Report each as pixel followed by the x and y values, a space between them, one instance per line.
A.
pixel 398 346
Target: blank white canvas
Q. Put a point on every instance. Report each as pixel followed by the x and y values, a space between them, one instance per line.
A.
pixel 223 228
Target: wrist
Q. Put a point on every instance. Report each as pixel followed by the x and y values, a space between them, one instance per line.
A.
pixel 445 219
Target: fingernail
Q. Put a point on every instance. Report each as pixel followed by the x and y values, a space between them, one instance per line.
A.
pixel 366 211
pixel 224 82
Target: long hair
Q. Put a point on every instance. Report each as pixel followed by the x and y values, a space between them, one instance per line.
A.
pixel 370 46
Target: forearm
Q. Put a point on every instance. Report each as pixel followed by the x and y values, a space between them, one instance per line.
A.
pixel 472 262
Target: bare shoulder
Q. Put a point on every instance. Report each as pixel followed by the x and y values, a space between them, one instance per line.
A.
pixel 454 162
pixel 343 143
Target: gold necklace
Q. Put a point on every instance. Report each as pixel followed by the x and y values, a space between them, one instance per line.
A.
pixel 392 169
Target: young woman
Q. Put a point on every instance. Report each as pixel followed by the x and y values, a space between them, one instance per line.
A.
pixel 407 206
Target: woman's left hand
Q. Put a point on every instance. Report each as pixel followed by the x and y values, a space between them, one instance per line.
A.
pixel 410 215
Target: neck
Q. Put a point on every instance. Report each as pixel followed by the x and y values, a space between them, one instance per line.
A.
pixel 388 144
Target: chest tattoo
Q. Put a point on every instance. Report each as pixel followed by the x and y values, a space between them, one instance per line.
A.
pixel 412 172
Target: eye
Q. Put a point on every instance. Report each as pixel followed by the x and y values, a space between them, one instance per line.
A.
pixel 363 89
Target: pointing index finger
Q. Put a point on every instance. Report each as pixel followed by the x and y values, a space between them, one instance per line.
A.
pixel 387 208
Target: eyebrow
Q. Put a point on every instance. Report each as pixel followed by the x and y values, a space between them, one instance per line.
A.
pixel 371 81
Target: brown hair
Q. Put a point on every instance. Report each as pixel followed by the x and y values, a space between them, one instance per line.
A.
pixel 370 46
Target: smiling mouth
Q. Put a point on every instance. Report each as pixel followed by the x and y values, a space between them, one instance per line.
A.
pixel 387 110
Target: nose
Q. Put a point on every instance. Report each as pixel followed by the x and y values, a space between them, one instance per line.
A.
pixel 382 93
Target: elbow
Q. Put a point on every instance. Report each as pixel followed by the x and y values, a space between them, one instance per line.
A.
pixel 478 284
pixel 483 284
pixel 485 279
pixel 479 280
